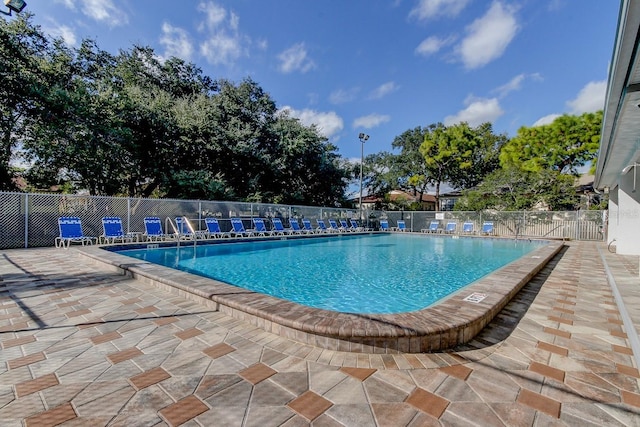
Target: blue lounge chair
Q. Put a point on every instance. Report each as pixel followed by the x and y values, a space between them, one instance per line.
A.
pixel 401 226
pixel 261 228
pixel 237 228
pixel 487 228
pixel 306 224
pixel 450 228
pixel 213 229
pixel 333 226
pixel 434 227
pixel 113 232
pixel 384 225
pixel 277 225
pixel 467 228
pixel 356 227
pixel 344 226
pixel 295 227
pixel 153 229
pixel 322 227
pixel 71 232
pixel 184 229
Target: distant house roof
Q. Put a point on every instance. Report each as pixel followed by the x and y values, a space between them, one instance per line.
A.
pixel 585 182
pixel 400 195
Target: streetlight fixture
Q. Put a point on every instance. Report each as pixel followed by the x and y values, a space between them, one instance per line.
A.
pixel 363 138
pixel 14 6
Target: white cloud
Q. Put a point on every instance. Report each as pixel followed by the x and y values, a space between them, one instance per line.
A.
pixel 64 32
pixel 515 84
pixel 327 123
pixel 295 59
pixel 548 119
pixel 383 90
pixel 262 44
pixel 223 42
pixel 477 111
pixel 342 96
pixel 99 10
pixel 215 15
pixel 488 37
pixel 176 42
pixel 68 3
pixel 432 44
pixel 370 121
pixel 590 98
pixel 104 11
pixel 426 9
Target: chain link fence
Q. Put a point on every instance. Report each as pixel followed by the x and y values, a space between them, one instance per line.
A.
pixel 31 220
pixel 566 225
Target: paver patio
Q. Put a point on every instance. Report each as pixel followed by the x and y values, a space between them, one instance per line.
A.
pixel 82 345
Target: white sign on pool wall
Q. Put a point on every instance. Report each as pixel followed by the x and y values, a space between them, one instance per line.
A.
pixel 439 215
pixel 475 297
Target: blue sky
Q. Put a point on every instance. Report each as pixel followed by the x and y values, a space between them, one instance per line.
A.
pixel 374 66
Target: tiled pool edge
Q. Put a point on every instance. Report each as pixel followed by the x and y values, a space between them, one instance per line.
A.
pixel 442 326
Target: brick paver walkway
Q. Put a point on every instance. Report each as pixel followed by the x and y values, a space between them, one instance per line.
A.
pixel 81 345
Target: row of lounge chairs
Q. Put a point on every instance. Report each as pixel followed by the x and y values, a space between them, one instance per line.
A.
pixel 434 227
pixel 113 232
pixel 71 230
pixel 451 228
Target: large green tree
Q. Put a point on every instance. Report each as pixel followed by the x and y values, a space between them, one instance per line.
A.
pixel 511 189
pixel 131 124
pixel 28 70
pixel 564 145
pixel 459 154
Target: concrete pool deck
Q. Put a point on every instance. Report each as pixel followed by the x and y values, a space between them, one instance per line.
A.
pixel 84 345
pixel 446 324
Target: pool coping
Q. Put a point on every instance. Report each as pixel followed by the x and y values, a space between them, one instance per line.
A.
pixel 444 325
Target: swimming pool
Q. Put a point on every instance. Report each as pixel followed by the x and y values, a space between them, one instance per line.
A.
pixel 378 273
pixel 452 321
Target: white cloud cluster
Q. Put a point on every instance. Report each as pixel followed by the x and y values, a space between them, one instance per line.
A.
pixel 488 36
pixel 590 98
pixel 176 42
pixel 477 111
pixel 99 10
pixel 383 90
pixel 295 59
pixel 328 123
pixel 485 40
pixel 370 121
pixel 426 9
pixel 64 32
pixel 342 96
pixel 515 84
pixel 432 45
pixel 223 44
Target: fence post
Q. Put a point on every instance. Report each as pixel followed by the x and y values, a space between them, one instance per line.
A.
pixel 26 221
pixel 128 215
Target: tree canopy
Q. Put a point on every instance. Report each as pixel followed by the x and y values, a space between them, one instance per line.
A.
pixel 564 145
pixel 513 189
pixel 133 124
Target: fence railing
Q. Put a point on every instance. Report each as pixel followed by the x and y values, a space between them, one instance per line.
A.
pixel 31 220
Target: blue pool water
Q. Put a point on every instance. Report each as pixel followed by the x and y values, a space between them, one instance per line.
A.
pixel 381 273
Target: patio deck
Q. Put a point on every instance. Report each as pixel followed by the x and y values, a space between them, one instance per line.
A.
pixel 83 345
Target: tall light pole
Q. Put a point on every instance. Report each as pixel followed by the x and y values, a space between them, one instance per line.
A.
pixel 363 138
